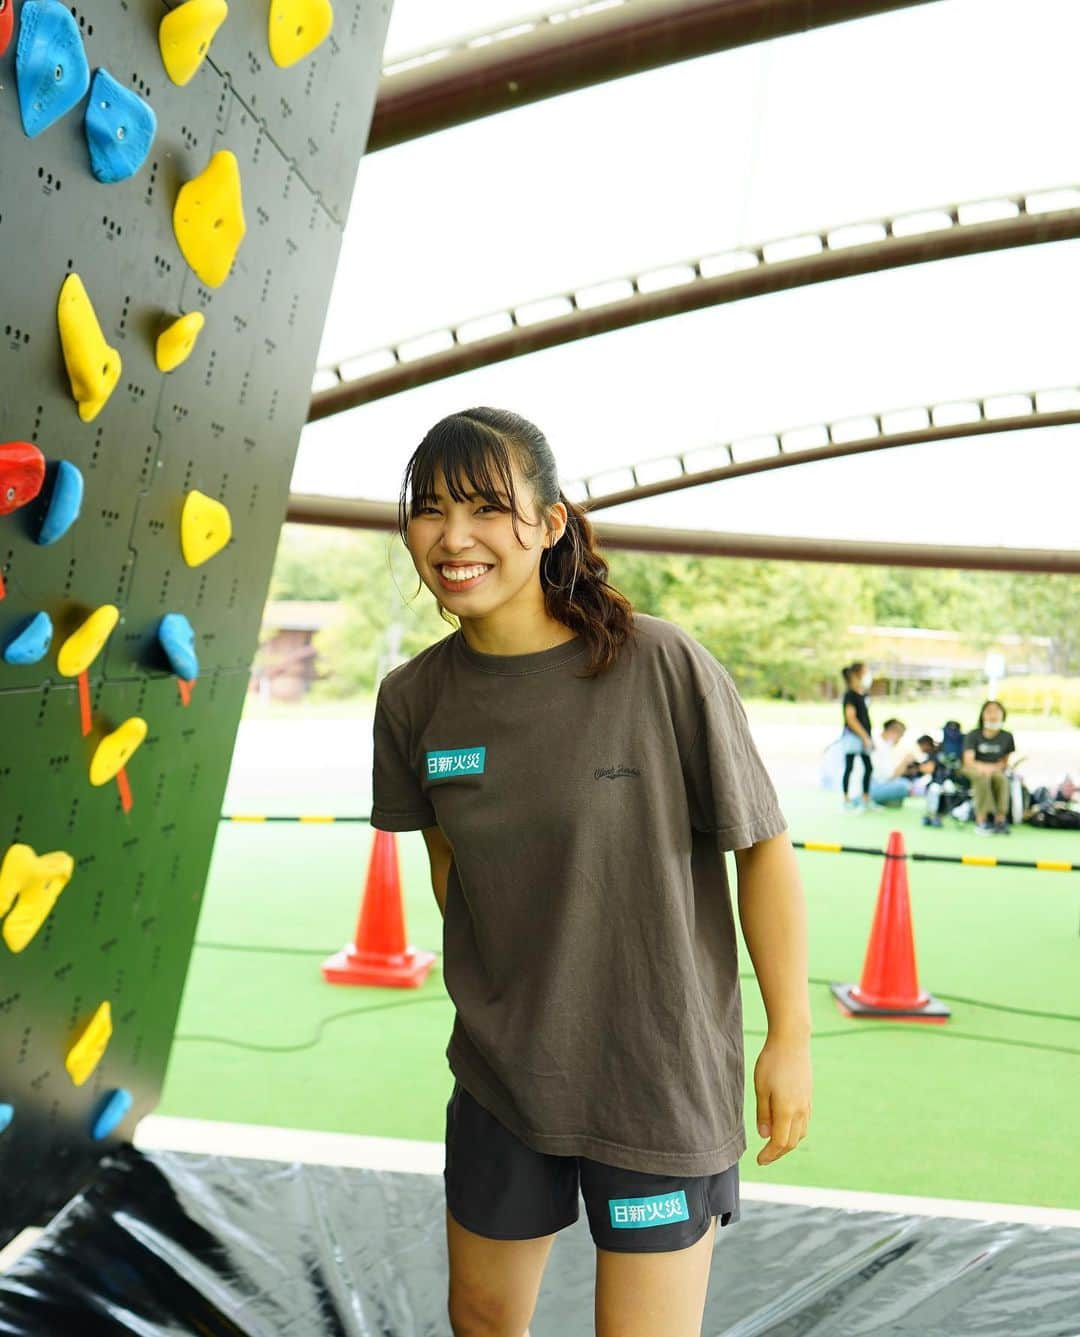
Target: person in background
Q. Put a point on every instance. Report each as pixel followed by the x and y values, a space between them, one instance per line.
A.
pixel 857 738
pixel 987 750
pixel 895 771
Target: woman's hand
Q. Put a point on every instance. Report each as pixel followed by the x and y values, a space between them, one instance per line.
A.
pixel 782 1083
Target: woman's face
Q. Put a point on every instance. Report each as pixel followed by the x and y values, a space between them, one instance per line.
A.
pixel 459 535
pixel 992 719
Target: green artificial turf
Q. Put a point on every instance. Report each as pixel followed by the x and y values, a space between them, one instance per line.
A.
pixel 982 1107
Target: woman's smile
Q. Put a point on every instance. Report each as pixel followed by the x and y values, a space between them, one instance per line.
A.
pixel 456 582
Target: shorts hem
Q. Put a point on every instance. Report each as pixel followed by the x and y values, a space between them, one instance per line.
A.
pixel 490 1235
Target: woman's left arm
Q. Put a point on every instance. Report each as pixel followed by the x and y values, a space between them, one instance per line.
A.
pixel 772 912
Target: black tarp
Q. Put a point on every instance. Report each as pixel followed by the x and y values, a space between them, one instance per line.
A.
pixel 164 1243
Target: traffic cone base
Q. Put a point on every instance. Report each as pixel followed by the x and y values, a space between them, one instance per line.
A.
pixel 849 1003
pixel 404 970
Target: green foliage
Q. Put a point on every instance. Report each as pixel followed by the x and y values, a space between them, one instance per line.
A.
pixel 779 627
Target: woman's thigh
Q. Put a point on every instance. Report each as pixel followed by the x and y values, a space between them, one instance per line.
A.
pixel 641 1294
pixel 494 1283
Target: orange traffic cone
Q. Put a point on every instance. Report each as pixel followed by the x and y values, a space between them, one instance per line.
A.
pixel 890 981
pixel 379 955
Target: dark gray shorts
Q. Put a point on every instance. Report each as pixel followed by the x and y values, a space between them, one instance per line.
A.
pixel 499 1187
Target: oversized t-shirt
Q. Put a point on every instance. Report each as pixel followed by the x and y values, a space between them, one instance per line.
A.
pixel 588 935
pixel 989 747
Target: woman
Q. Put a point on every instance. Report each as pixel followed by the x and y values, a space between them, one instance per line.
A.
pixel 857 738
pixel 577 769
pixel 987 750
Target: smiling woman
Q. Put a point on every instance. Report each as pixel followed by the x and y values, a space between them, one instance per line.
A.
pixel 578 769
pixel 464 484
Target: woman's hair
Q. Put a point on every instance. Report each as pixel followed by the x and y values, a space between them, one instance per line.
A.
pixel 982 711
pixel 849 671
pixel 467 447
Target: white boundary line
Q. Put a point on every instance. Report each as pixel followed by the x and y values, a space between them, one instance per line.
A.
pixel 161 1132
pixel 157 1132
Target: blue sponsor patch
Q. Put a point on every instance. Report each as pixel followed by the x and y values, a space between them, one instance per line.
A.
pixel 661 1210
pixel 455 761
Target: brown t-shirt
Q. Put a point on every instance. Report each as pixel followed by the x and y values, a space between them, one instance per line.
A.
pixel 588 938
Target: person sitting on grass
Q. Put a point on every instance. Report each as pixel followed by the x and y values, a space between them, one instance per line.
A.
pixel 896 771
pixel 986 756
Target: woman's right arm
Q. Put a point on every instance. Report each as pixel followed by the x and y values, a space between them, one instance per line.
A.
pixel 441 855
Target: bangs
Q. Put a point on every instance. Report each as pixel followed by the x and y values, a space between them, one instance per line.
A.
pixel 473 459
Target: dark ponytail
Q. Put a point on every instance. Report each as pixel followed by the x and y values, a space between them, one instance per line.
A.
pixel 573 573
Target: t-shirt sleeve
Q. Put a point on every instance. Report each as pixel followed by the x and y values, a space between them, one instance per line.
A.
pixel 727 786
pixel 397 803
pixel 970 742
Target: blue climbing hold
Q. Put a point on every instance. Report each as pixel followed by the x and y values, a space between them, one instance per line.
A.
pixel 177 637
pixel 51 70
pixel 117 1103
pixel 32 643
pixel 7 1113
pixel 120 128
pixel 64 504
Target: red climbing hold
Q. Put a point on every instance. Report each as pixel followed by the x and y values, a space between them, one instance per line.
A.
pixel 22 472
pixel 7 14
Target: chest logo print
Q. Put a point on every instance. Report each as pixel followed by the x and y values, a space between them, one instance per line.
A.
pixel 455 761
pixel 613 772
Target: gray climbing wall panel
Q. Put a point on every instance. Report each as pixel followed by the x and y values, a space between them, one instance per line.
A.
pixel 226 422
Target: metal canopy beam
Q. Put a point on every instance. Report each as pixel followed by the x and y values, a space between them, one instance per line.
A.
pixel 354 513
pixel 692 284
pixel 980 423
pixel 560 53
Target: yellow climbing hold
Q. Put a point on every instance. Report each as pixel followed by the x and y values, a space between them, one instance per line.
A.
pixel 112 753
pixel 185 34
pixel 85 1054
pixel 83 646
pixel 297 27
pixel 93 367
pixel 175 344
pixel 37 880
pixel 205 527
pixel 208 218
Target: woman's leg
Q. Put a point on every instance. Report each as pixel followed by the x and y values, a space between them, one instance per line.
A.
pixel 849 762
pixel 999 792
pixel 981 795
pixel 867 772
pixel 493 1283
pixel 642 1294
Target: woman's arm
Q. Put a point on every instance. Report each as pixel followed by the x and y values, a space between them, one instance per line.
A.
pixel 773 916
pixel 772 912
pixel 441 855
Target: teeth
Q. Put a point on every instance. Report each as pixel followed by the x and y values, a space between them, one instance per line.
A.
pixel 462 573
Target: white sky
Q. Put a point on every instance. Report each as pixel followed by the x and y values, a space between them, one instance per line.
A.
pixel 953 101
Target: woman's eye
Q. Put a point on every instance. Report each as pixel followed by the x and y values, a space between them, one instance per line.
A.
pixel 486 507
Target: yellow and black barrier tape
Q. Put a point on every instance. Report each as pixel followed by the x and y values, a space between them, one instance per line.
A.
pixel 825 846
pixel 972 860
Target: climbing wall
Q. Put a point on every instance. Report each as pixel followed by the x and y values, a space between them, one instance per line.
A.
pixel 101 883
